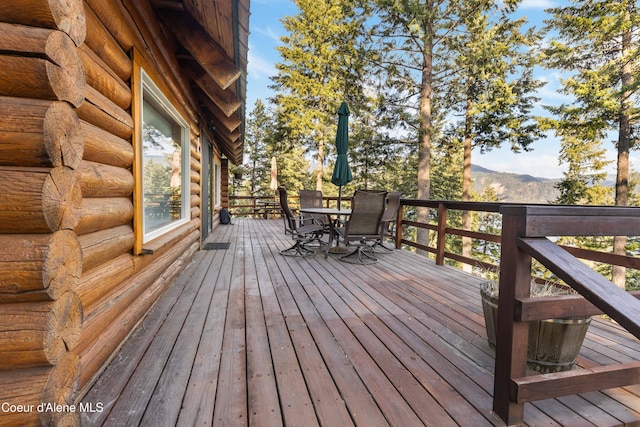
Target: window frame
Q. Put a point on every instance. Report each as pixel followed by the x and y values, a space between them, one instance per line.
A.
pixel 144 85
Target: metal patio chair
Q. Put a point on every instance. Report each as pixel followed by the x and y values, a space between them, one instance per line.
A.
pixel 363 225
pixel 301 229
pixel 313 199
pixel 388 220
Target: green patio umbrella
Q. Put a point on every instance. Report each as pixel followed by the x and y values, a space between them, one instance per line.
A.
pixel 341 171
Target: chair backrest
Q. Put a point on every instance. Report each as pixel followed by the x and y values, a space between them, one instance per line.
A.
pixel 366 211
pixel 289 218
pixel 310 199
pixel 393 204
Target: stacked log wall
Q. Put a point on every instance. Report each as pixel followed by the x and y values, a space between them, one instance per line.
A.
pixel 41 148
pixel 71 289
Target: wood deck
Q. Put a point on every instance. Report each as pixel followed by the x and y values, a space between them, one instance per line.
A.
pixel 247 336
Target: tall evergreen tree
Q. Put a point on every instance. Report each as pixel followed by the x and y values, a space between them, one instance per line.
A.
pixel 434 51
pixel 584 156
pixel 598 42
pixel 406 35
pixel 257 166
pixel 492 89
pixel 319 69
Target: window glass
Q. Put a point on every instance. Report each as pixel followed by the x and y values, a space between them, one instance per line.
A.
pixel 164 143
pixel 217 173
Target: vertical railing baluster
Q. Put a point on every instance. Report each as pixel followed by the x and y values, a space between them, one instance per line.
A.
pixel 441 233
pixel 399 219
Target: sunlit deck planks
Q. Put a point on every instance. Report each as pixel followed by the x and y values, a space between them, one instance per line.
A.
pixel 247 336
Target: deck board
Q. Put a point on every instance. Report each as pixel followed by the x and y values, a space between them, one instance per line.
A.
pixel 246 336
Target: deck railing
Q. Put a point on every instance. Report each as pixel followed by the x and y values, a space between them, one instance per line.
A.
pixel 267 206
pixel 525 236
pixel 442 228
pixel 525 233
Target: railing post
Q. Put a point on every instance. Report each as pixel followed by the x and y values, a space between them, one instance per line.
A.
pixel 511 336
pixel 441 233
pixel 399 219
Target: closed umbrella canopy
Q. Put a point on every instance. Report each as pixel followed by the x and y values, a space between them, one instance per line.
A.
pixel 274 174
pixel 341 171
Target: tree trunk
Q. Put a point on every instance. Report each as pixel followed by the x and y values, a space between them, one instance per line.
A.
pixel 425 130
pixel 466 177
pixel 319 166
pixel 624 142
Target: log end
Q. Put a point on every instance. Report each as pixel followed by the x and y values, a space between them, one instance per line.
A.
pixel 63 137
pixel 70 17
pixel 62 263
pixel 61 388
pixel 61 199
pixel 63 327
pixel 65 70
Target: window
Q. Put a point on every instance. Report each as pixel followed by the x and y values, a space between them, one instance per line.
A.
pixel 217 173
pixel 164 160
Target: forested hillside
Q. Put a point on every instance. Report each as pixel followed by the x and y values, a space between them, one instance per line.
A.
pixel 511 187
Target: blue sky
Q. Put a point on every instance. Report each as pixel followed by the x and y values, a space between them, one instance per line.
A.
pixel 266 30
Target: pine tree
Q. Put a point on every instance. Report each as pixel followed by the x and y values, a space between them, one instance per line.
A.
pixel 598 45
pixel 259 128
pixel 406 35
pixel 438 55
pixel 492 90
pixel 585 158
pixel 319 69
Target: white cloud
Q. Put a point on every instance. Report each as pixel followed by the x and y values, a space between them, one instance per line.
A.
pixel 267 32
pixel 258 67
pixel 537 4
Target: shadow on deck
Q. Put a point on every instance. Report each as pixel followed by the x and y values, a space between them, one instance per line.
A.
pixel 247 336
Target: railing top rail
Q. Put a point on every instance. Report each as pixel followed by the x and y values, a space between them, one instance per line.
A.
pixel 544 221
pixel 570 210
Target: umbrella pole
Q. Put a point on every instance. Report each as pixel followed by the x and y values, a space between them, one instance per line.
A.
pixel 339 196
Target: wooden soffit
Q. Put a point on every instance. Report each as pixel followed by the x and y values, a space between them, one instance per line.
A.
pixel 204 49
pixel 230 123
pixel 226 101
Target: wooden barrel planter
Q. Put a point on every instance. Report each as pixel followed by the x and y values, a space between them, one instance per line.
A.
pixel 490 310
pixel 554 344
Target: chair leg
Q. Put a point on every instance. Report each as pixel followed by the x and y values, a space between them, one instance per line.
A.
pixel 358 256
pixel 380 243
pixel 298 249
pixel 316 238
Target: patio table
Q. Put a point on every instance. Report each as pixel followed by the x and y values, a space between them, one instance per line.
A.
pixel 334 215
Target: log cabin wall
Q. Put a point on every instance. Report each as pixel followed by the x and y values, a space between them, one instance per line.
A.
pixel 72 284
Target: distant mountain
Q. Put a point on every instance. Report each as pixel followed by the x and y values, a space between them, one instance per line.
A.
pixel 511 187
